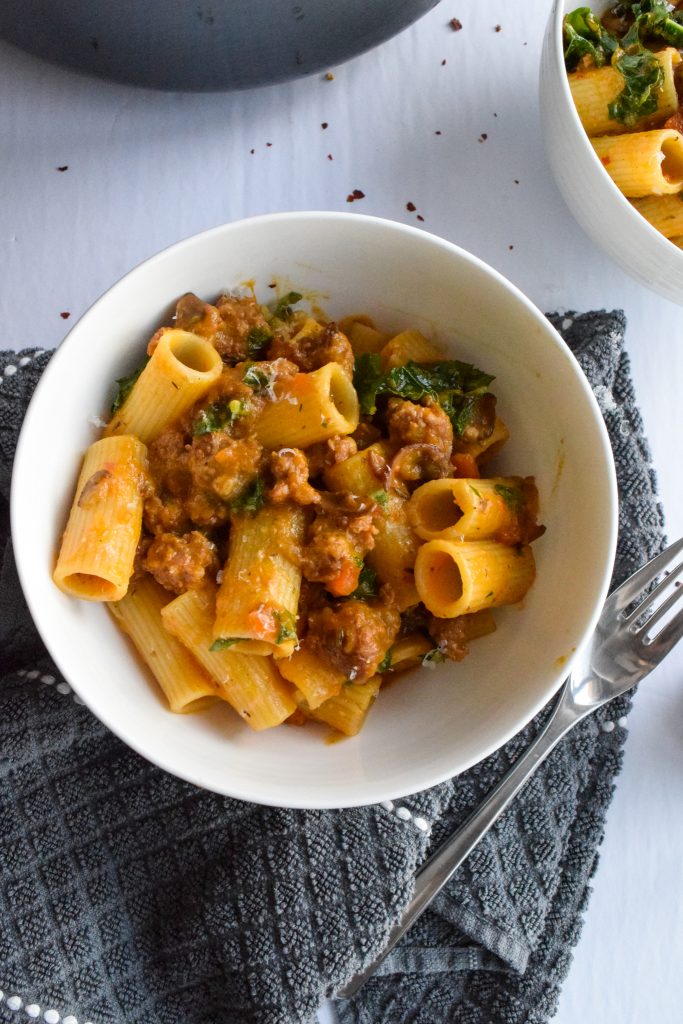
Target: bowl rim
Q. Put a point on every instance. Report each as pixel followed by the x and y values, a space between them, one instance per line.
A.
pixel 637 220
pixel 375 791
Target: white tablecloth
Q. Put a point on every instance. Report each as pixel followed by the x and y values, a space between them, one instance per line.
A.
pixel 447 121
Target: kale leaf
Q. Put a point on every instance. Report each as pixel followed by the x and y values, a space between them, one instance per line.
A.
pixel 368 585
pixel 415 380
pixel 257 379
pixel 586 36
pixel 643 78
pixel 512 496
pixel 286 630
pixel 251 499
pixel 224 642
pixel 283 307
pixel 218 416
pixel 257 339
pixel 385 663
pixel 125 386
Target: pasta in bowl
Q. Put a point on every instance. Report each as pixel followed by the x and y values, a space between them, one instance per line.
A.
pixel 283 512
pixel 418 291
pixel 609 91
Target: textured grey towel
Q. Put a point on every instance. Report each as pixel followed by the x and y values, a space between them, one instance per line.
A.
pixel 127 896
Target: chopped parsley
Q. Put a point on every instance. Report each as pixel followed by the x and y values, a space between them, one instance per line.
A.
pixel 285 624
pixel 368 585
pixel 257 339
pixel 218 416
pixel 283 307
pixel 415 381
pixel 381 497
pixel 125 386
pixel 251 499
pixel 224 642
pixel 385 663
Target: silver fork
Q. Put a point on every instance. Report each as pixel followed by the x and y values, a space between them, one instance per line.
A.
pixel 626 646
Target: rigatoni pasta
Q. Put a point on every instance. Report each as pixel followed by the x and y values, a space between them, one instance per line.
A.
pixel 308 514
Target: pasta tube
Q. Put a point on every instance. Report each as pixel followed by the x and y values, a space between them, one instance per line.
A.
pixel 348 710
pixel 186 685
pixel 309 407
pixel 363 335
pixel 98 548
pixel 312 676
pixel 409 345
pixel 249 683
pixel 465 509
pixel 259 593
pixel 665 213
pixel 593 89
pixel 457 579
pixel 644 163
pixel 180 371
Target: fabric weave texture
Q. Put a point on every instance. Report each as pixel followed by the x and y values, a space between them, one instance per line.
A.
pixel 130 897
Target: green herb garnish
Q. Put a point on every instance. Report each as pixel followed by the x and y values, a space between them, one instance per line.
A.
pixel 415 381
pixel 257 339
pixel 224 642
pixel 251 499
pixel 218 416
pixel 257 379
pixel 512 496
pixel 368 585
pixel 385 663
pixel 286 629
pixel 283 307
pixel 434 657
pixel 586 36
pixel 125 386
pixel 475 491
pixel 381 497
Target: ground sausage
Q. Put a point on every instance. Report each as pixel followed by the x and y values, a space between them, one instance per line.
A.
pixel 342 533
pixel 409 424
pixel 181 563
pixel 289 468
pixel 312 351
pixel 450 636
pixel 353 636
pixel 329 452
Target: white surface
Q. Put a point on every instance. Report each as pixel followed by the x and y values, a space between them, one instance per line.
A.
pixel 598 205
pixel 401 277
pixel 146 169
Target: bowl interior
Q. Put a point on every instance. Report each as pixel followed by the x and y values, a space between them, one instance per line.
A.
pixel 591 195
pixel 427 726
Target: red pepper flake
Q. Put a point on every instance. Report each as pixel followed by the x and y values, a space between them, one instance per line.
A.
pixel 420 217
pixel 329 77
pixel 65 316
pixel 443 62
pixel 324 125
pixel 455 24
pixel 497 28
pixel 329 156
pixel 356 194
pixel 64 168
pixel 483 137
pixel 411 207
pixel 606 160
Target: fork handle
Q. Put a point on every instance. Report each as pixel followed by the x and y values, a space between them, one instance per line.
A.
pixel 442 864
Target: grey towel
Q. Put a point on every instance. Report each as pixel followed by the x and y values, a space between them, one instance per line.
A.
pixel 127 896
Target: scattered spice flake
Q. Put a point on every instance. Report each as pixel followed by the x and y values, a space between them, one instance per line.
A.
pixel 483 137
pixel 411 207
pixel 94 43
pixel 443 62
pixel 65 316
pixel 329 156
pixel 64 168
pixel 269 144
pixel 273 284
pixel 510 247
pixel 252 151
pixel 455 24
pixel 497 28
pixel 437 133
pixel 356 194
pixel 516 180
pixel 495 114
pixel 329 77
pixel 324 125
pixel 420 217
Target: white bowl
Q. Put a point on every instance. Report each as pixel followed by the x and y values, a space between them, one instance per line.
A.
pixel 589 192
pixel 430 725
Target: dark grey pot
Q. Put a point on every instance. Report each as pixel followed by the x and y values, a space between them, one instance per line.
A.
pixel 203 44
